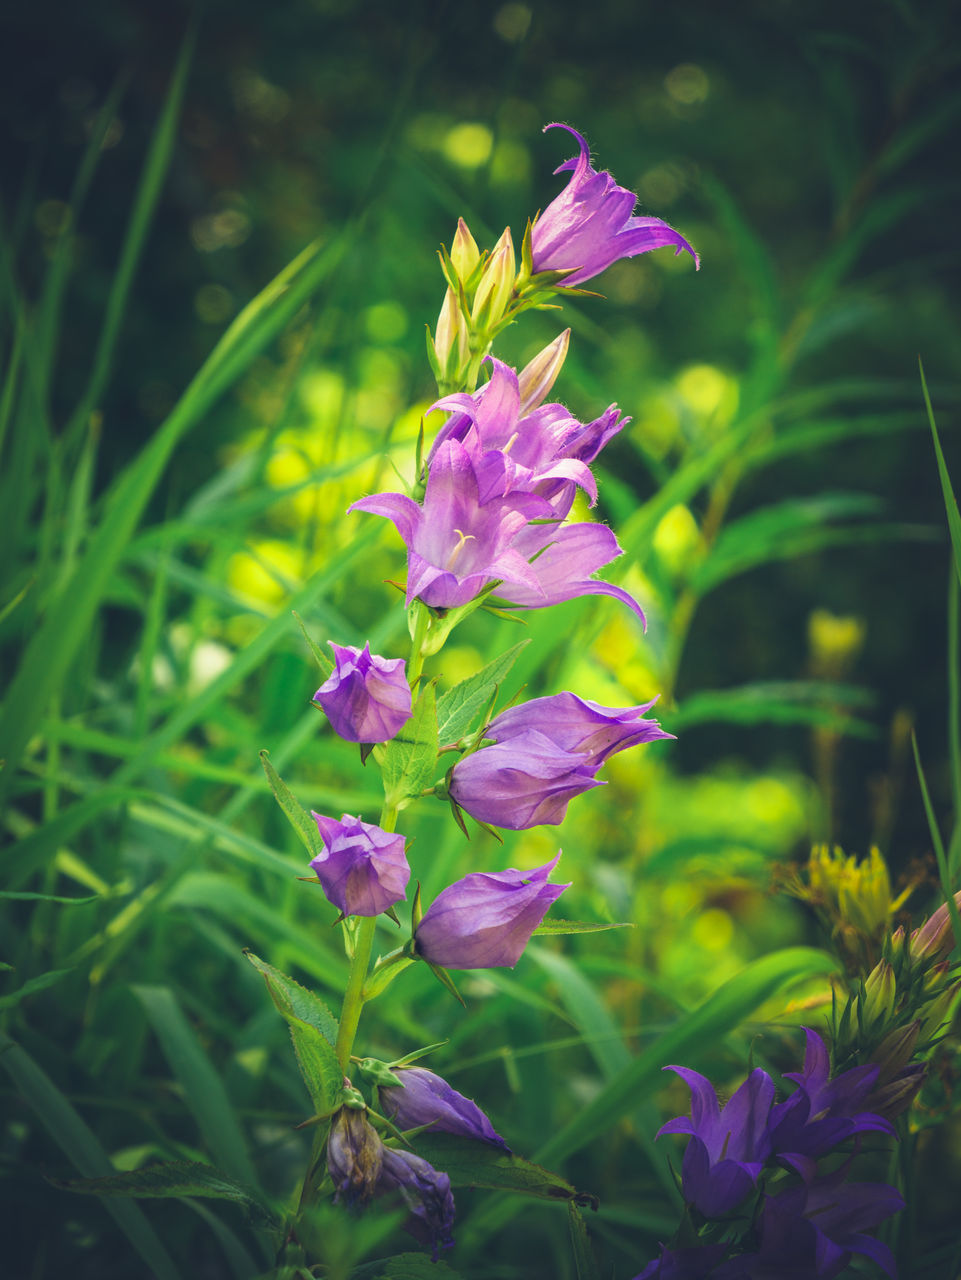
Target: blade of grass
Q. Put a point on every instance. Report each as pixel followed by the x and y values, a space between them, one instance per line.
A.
pixel 81 1147
pixel 950 502
pixel 204 1093
pixel 954 719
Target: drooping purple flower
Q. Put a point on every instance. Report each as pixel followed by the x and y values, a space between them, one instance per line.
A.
pixel 523 783
pixel 823 1112
pixel 697 1263
pixel 590 225
pixel 354 1156
pixel 486 920
pixel 427 1194
pixel 363 870
pixel 728 1146
pixel 545 752
pixel 425 1099
pixel 459 542
pixel 811 1232
pixel 366 698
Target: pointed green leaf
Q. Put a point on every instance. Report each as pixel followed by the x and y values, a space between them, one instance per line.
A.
pixel 584 1260
pixel 416 1266
pixel 409 761
pixel 296 815
pixel 295 1001
pixel 479 1164
pixel 48 897
pixel 318 1065
pixel 458 707
pixel 811 702
pixel 578 926
pixel 320 657
pixel 950 502
pixel 176 1178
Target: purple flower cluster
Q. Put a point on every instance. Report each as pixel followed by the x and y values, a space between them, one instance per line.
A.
pixel 499 489
pixel 812 1228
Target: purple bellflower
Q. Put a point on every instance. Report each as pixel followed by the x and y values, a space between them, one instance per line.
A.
pixel 486 920
pixel 812 1231
pixel 458 542
pixel 590 225
pixel 426 1192
pixel 424 1099
pixel 526 782
pixel 728 1146
pixel 545 752
pixel 366 698
pixel 823 1112
pixel 362 870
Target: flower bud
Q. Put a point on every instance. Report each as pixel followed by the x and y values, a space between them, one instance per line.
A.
pixel 496 285
pixel 537 378
pixel 366 698
pixel 935 938
pixel 363 870
pixel 425 1100
pixel 426 1193
pixel 940 992
pixel 486 920
pixel 452 338
pixel 879 995
pixel 895 1051
pixel 889 1100
pixel 464 253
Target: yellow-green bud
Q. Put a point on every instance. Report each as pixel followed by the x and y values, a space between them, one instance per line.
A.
pixel 452 337
pixel 879 995
pixel 536 379
pixel 496 285
pixel 934 939
pixel 895 1050
pixel 464 253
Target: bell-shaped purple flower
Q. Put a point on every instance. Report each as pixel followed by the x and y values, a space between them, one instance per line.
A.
pixel 812 1231
pixel 523 783
pixel 366 698
pixel 486 920
pixel 363 870
pixel 545 752
pixel 823 1112
pixel 424 1099
pixel 728 1145
pixel 427 1194
pixel 354 1156
pixel 460 540
pixel 590 225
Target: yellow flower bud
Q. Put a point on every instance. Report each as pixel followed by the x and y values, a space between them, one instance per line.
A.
pixel 496 285
pixel 536 379
pixel 464 253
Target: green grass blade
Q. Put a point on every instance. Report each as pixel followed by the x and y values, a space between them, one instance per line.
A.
pixel 946 884
pixel 954 718
pixel 204 1093
pixel 145 202
pixel 950 502
pixel 83 1150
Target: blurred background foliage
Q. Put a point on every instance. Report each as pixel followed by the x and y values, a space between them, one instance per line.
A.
pixel 775 493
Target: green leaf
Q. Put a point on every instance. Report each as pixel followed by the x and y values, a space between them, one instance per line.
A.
pixel 295 1001
pixel 478 1164
pixel 584 1260
pixel 203 1087
pixel 176 1178
pixel 313 1032
pixel 458 707
pixel 318 1065
pixel 950 502
pixel 81 1147
pixel 296 815
pixel 577 926
pixel 48 897
pixel 409 761
pixel 39 983
pixel 416 1266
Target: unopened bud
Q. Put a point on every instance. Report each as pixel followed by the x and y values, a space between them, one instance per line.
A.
pixel 898 1094
pixel 355 1156
pixel 879 995
pixel 941 993
pixel 536 379
pixel 464 253
pixel 452 338
pixel 895 1050
pixel 934 939
pixel 496 285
